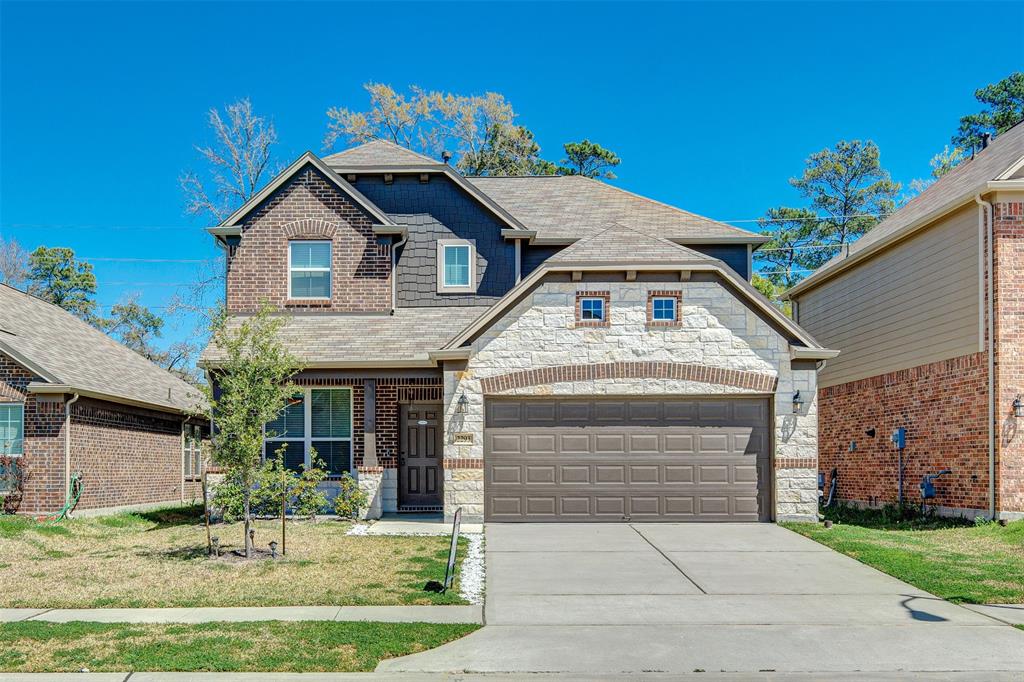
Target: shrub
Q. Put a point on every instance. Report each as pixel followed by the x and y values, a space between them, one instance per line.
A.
pixel 13 475
pixel 891 516
pixel 351 499
pixel 273 482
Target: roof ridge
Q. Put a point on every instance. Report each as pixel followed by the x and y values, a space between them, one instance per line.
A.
pixel 380 141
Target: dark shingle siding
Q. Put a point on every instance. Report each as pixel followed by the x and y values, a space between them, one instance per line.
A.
pixel 735 256
pixel 440 210
pixel 533 256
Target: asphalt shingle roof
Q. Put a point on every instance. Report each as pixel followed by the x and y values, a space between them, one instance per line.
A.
pixel 620 244
pixel 74 353
pixel 378 153
pixel 967 179
pixel 407 335
pixel 572 206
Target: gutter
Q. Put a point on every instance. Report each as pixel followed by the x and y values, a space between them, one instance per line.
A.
pixel 67 448
pixel 987 218
pixel 54 389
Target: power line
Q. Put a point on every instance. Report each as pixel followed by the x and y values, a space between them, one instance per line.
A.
pixel 82 226
pixel 146 260
pixel 794 220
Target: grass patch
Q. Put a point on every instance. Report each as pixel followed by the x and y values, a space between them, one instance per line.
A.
pixel 306 646
pixel 158 559
pixel 981 564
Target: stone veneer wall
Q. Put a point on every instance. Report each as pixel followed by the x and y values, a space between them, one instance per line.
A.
pixel 717 330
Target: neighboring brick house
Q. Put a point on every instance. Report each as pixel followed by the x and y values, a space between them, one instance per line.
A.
pixel 907 306
pixel 74 401
pixel 525 348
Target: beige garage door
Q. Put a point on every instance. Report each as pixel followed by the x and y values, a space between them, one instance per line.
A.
pixel 583 459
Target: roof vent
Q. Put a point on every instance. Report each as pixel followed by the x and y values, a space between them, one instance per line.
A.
pixel 446 156
pixel 985 139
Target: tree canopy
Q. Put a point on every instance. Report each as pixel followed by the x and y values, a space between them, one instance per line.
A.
pixel 56 276
pixel 589 159
pixel 1003 107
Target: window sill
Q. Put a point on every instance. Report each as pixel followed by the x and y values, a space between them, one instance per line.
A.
pixel 589 324
pixel 664 323
pixel 456 290
pixel 308 302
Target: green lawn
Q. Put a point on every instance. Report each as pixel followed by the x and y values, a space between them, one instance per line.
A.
pixel 219 647
pixel 159 559
pixel 974 564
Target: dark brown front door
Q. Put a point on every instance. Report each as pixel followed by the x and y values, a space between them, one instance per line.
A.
pixel 419 456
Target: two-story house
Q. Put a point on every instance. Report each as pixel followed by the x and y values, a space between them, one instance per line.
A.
pixel 526 348
pixel 931 344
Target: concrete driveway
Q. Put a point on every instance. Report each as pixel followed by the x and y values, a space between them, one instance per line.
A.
pixel 618 598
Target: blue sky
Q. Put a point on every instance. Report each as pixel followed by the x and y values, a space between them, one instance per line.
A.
pixel 712 107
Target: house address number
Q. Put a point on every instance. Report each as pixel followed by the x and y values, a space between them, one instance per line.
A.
pixel 463 439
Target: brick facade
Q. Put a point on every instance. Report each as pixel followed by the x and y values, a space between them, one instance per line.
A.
pixel 1008 262
pixel 943 405
pixel 309 206
pixel 127 455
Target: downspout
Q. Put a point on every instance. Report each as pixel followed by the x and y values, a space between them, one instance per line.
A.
pixel 394 271
pixel 990 328
pixel 67 448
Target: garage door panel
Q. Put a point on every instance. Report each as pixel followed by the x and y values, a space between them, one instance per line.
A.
pixel 604 459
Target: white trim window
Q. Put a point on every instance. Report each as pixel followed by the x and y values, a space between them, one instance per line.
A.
pixel 12 429
pixel 309 270
pixel 592 309
pixel 456 266
pixel 317 418
pixel 193 445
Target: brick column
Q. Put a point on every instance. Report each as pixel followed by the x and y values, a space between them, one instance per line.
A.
pixel 1008 262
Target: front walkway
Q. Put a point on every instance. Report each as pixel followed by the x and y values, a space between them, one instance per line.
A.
pixel 627 599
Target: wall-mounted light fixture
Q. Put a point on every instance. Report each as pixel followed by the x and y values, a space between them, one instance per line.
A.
pixel 798 402
pixel 1018 407
pixel 461 404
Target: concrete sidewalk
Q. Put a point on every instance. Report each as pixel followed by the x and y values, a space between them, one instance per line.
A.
pixel 462 677
pixel 386 614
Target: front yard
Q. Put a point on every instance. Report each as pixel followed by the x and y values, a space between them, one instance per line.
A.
pixel 974 564
pixel 158 559
pixel 218 647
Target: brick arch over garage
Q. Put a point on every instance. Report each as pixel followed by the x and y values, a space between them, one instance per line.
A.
pixel 310 229
pixel 751 381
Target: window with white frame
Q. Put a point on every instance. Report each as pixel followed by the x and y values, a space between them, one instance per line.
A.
pixel 193 451
pixel 317 419
pixel 663 309
pixel 456 266
pixel 309 270
pixel 12 429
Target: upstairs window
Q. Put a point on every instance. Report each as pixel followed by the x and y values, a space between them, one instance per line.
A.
pixel 593 308
pixel 456 266
pixel 309 270
pixel 664 309
pixel 12 429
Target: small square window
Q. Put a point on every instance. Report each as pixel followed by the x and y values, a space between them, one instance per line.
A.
pixel 664 309
pixel 592 309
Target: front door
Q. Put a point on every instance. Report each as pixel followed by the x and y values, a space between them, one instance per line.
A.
pixel 419 456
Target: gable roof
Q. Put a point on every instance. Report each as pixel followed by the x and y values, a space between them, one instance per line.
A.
pixel 73 357
pixel 623 249
pixel 378 153
pixel 621 244
pixel 309 158
pixel 954 189
pixel 563 208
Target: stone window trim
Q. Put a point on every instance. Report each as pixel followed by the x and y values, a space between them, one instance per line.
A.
pixel 677 296
pixel 606 296
pixel 442 246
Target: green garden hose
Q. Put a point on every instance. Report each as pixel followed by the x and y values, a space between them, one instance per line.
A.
pixel 74 494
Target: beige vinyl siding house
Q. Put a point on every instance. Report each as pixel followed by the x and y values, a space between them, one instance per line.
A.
pixel 913 304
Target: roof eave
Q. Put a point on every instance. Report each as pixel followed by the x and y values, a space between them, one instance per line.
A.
pixel 63 389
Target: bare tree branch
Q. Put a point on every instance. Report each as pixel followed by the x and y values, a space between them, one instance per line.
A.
pixel 13 263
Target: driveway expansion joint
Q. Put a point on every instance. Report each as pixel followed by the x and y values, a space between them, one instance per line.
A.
pixel 677 567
